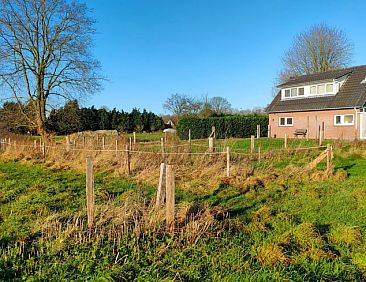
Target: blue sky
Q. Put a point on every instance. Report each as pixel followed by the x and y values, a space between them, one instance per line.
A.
pixel 152 49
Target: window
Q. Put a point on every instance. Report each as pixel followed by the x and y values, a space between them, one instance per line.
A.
pixel 286 121
pixel 321 89
pixel 329 88
pixel 313 90
pixel 287 93
pixel 293 92
pixel 343 120
pixel 301 91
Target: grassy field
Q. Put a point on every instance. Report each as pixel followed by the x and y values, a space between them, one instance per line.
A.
pixel 278 225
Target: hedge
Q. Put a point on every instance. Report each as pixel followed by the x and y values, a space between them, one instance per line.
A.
pixel 238 126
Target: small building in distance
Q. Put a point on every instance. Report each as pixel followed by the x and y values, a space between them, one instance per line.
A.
pixel 333 102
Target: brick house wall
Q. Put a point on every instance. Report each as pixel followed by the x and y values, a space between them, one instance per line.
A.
pixel 312 120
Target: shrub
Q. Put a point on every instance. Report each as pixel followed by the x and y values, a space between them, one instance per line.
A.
pixel 238 126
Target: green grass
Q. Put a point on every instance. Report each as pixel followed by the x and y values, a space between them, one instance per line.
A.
pixel 289 228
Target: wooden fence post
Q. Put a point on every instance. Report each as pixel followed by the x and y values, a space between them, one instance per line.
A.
pixel 285 142
pixel 252 144
pixel 329 158
pixel 134 137
pixel 323 131
pixel 160 195
pixel 116 148
pixel 269 131
pixel 35 144
pixel 130 143
pixel 170 198
pixel 90 191
pixel 211 144
pixel 103 142
pixel 67 143
pixel 259 154
pixel 128 160
pixel 227 162
pixel 189 141
pixel 162 148
pixel 214 132
pixel 258 131
pixel 44 150
pixel 84 142
pixel 320 136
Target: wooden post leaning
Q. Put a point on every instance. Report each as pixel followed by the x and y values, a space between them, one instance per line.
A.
pixel 90 191
pixel 170 198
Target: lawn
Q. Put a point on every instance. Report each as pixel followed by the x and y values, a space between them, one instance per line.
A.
pixel 279 226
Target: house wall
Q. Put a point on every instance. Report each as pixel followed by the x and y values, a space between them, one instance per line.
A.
pixel 300 120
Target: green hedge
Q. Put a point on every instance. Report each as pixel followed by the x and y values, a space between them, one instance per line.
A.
pixel 238 126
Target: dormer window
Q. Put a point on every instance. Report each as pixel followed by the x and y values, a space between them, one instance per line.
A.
pixel 293 92
pixel 301 91
pixel 310 90
pixel 321 89
pixel 329 87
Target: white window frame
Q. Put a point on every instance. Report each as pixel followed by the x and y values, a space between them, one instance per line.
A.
pixel 286 121
pixel 342 120
pixel 293 92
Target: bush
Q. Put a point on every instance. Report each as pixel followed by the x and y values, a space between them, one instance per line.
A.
pixel 238 126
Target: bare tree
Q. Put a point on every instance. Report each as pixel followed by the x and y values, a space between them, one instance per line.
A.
pixel 45 54
pixel 319 49
pixel 181 105
pixel 220 105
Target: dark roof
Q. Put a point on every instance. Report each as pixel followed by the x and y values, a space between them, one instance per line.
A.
pixel 351 95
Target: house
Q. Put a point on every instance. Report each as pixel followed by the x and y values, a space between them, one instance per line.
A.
pixel 330 103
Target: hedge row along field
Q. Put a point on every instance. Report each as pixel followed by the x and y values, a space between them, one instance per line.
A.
pixel 229 126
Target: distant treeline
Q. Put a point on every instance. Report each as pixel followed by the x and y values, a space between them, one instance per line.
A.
pixel 71 118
